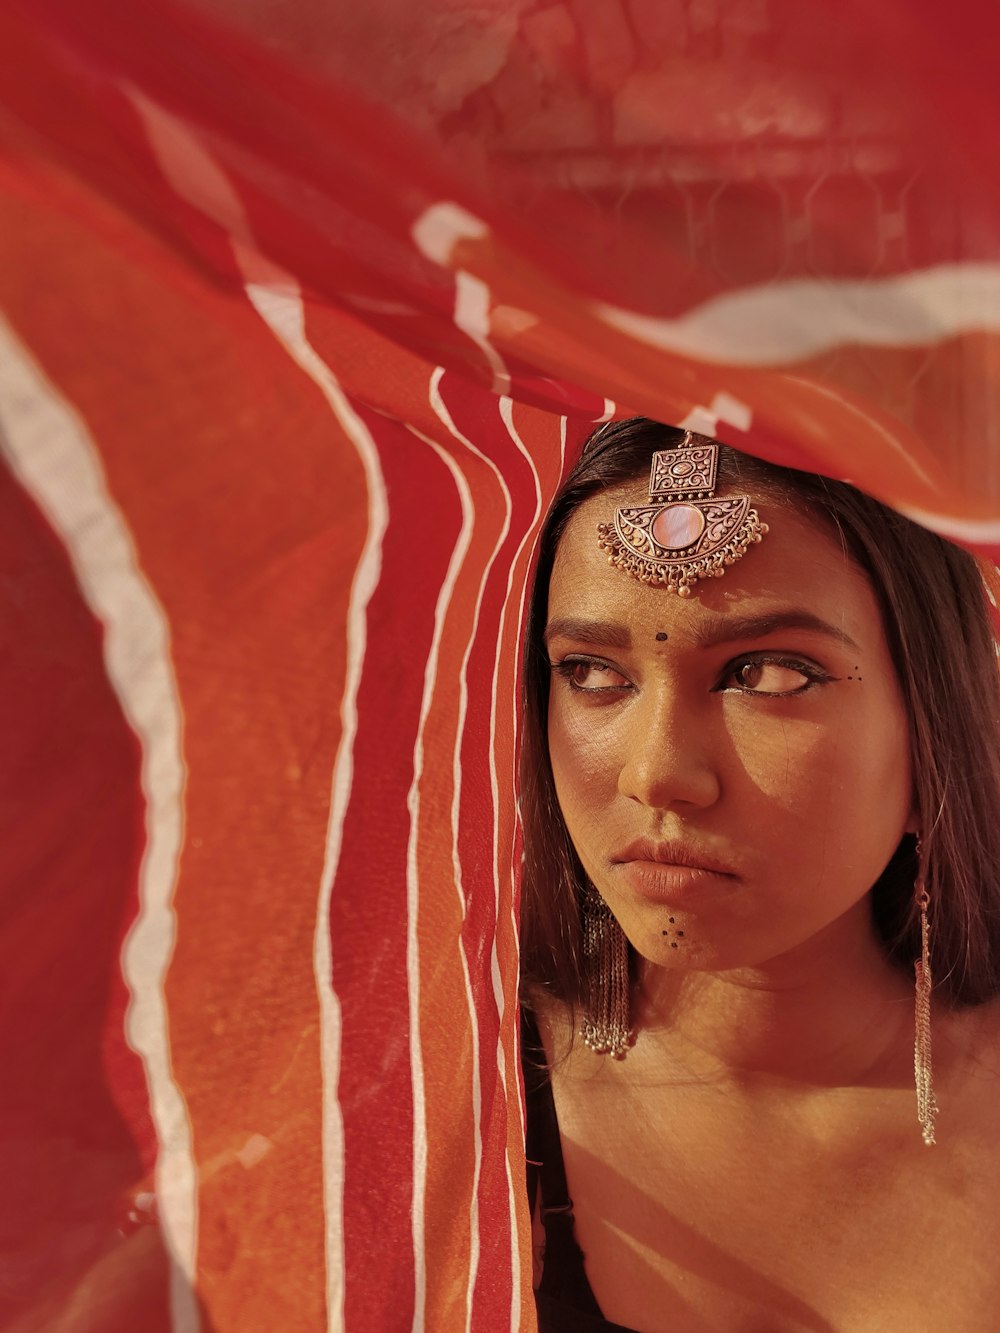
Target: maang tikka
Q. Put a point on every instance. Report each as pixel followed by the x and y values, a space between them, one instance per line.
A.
pixel 685 533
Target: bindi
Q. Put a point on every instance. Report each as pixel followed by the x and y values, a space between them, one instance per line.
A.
pixel 661 637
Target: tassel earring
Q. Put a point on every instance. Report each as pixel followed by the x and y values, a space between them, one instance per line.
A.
pixel 927 1107
pixel 606 1026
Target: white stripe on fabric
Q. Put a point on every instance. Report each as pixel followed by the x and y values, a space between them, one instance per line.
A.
pixel 723 407
pixel 455 564
pixel 516 701
pixel 515 1313
pixel 472 316
pixel 781 322
pixel 438 404
pixel 441 226
pixel 435 234
pixel 51 453
pixel 189 168
pixel 516 711
pixel 974 531
pixel 784 322
pixel 197 178
pixel 507 416
pixel 281 309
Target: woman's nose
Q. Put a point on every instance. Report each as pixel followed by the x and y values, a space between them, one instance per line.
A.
pixel 668 757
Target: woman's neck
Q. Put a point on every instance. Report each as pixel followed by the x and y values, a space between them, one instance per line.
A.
pixel 833 1013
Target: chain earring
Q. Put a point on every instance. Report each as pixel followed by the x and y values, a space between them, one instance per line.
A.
pixel 606 1026
pixel 927 1107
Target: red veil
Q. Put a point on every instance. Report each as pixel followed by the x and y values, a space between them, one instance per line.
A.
pixel 305 307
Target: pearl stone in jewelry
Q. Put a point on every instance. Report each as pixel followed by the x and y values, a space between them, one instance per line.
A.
pixel 677 526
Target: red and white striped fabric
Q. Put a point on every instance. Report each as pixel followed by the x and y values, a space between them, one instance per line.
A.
pixel 304 314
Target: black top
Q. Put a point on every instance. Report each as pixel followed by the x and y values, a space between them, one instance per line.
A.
pixel 563 1298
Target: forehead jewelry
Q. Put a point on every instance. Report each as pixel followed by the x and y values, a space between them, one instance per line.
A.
pixel 684 533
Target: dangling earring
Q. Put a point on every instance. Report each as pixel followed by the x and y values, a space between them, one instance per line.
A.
pixel 927 1107
pixel 606 1026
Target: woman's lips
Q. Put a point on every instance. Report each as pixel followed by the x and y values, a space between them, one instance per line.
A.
pixel 673 883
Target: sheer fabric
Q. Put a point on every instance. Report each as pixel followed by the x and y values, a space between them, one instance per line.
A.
pixel 305 310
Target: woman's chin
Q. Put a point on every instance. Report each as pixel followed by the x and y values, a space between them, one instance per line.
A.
pixel 677 950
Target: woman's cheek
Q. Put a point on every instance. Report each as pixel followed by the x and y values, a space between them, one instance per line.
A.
pixel 791 762
pixel 582 747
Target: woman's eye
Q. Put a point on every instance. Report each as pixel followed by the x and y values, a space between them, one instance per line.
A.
pixel 764 677
pixel 590 677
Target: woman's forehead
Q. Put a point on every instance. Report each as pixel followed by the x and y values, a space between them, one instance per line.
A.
pixel 799 563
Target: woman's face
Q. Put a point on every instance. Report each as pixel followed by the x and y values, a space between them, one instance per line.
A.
pixel 733 768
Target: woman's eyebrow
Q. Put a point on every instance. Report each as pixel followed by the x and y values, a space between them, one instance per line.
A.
pixel 728 629
pixel 588 631
pixel 732 628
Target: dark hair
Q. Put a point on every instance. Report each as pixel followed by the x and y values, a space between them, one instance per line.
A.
pixel 940 631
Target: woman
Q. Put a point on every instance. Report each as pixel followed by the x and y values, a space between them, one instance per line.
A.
pixel 761 780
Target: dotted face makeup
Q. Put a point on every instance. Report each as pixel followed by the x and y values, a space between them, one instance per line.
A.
pixel 679 934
